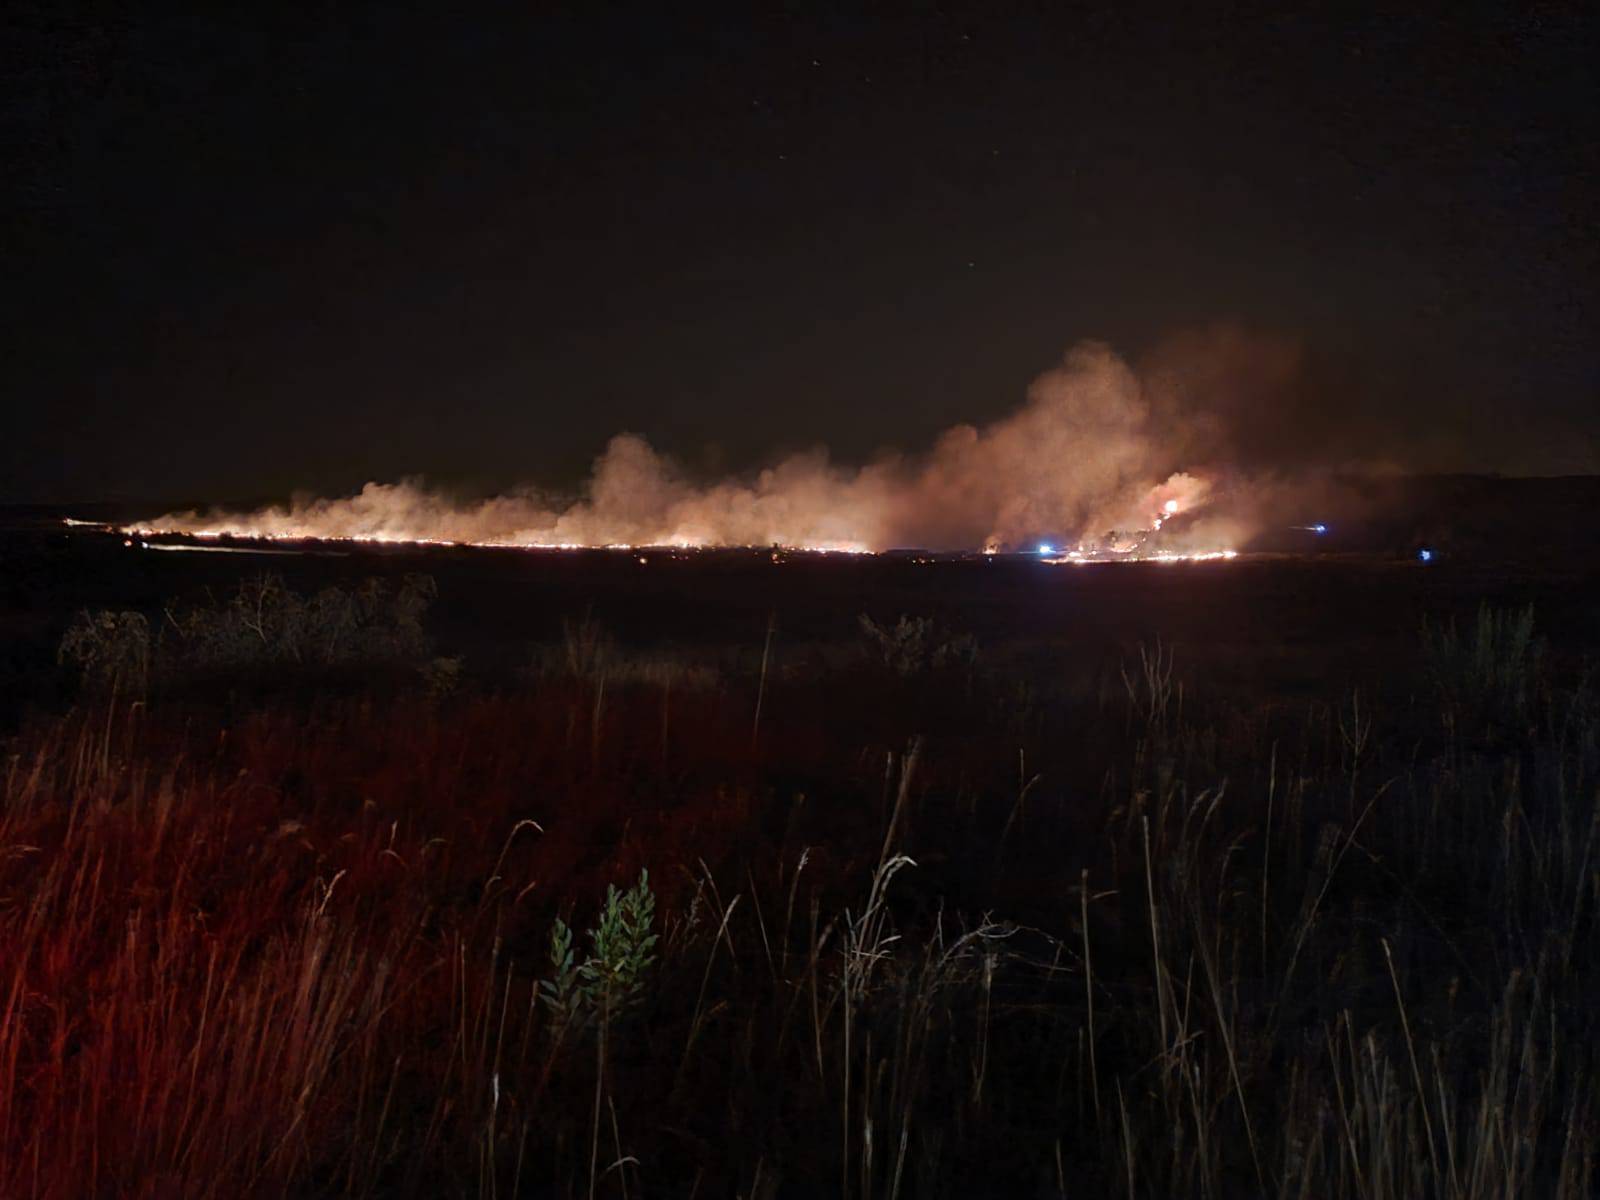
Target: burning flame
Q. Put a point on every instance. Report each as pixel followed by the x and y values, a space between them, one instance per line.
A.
pixel 1091 449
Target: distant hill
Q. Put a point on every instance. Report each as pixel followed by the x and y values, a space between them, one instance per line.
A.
pixel 1483 517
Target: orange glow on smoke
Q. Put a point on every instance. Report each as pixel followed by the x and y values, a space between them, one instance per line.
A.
pixel 1095 458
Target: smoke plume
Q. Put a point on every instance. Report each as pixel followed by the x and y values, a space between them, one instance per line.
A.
pixel 1098 446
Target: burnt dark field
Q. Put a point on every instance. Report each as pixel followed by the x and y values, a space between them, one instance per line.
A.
pixel 412 872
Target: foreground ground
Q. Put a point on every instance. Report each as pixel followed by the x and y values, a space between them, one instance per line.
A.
pixel 1202 881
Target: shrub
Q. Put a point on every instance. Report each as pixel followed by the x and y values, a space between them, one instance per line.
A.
pixel 1490 675
pixel 917 645
pixel 1152 692
pixel 589 656
pixel 441 676
pixel 264 625
pixel 588 651
pixel 611 979
pixel 110 649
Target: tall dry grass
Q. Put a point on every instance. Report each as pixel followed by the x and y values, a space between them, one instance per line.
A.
pixel 1163 948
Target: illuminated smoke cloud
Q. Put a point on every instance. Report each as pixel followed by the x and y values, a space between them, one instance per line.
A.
pixel 1096 447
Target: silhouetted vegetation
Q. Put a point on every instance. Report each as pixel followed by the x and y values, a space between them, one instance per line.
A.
pixel 584 934
pixel 262 629
pixel 917 645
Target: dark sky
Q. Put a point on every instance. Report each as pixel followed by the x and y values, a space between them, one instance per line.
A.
pixel 249 253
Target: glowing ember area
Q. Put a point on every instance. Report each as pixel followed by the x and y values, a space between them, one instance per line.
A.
pixel 1091 449
pixel 1078 557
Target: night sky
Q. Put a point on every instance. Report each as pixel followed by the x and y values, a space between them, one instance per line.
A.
pixel 253 253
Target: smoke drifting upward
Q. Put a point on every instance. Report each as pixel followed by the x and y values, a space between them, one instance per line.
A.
pixel 1171 450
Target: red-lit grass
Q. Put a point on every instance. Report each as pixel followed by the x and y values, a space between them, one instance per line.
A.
pixel 295 951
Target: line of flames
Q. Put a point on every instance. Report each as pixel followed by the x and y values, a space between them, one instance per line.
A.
pixel 1069 558
pixel 1079 557
pixel 391 539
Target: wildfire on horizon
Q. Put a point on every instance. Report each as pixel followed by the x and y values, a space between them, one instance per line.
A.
pixel 1047 554
pixel 138 536
pixel 1133 546
pixel 1096 446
